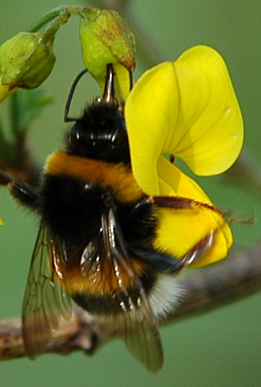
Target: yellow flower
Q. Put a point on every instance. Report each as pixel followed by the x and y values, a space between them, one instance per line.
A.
pixel 188 109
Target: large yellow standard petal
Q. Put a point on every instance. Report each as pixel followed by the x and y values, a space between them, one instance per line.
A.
pixel 187 108
pixel 180 229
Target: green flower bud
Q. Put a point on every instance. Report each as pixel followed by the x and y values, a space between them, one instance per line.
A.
pixel 5 92
pixel 105 38
pixel 26 60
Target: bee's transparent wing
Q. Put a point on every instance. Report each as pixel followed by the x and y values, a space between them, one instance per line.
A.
pixel 141 334
pixel 46 298
pixel 136 319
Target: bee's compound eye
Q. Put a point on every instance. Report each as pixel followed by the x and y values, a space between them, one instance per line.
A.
pixel 75 133
pixel 88 186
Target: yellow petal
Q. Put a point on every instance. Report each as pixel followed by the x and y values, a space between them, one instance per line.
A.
pixel 122 82
pixel 148 121
pixel 1 222
pixel 210 110
pixel 180 229
pixel 123 77
pixel 187 108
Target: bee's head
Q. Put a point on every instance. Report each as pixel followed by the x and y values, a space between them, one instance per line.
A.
pixel 101 132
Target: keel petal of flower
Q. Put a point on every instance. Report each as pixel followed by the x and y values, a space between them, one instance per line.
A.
pixel 181 229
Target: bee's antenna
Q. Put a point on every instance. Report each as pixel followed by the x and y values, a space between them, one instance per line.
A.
pixel 69 99
pixel 109 92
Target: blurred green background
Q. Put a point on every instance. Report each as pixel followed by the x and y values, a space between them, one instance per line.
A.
pixel 222 348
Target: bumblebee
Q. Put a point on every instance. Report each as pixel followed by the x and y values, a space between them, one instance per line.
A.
pixel 95 242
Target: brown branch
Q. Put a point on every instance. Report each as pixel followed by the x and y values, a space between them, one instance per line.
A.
pixel 233 279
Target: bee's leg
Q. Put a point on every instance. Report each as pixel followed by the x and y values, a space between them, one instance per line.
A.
pixel 174 202
pixel 163 262
pixel 141 207
pixel 177 202
pixel 21 191
pixel 199 249
pixel 158 261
